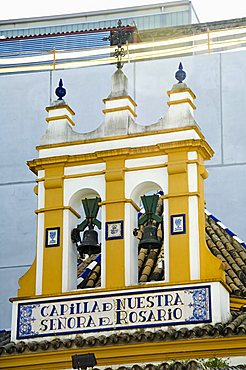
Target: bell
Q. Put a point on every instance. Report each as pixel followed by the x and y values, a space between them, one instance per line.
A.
pixel 149 239
pixel 89 244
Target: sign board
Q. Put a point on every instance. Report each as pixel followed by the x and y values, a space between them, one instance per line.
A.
pixel 129 309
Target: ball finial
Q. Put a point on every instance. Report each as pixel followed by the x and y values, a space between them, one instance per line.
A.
pixel 60 91
pixel 180 75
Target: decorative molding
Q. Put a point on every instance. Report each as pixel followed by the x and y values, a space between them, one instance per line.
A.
pixel 162 148
pixel 237 303
pixel 141 168
pixel 125 200
pixel 200 145
pixel 56 107
pixel 123 287
pixel 119 137
pixel 178 91
pixel 57 118
pixel 53 182
pixel 120 98
pixel 35 189
pixel 48 209
pixel 114 175
pixel 174 168
pixel 118 109
pixel 187 194
pixel 180 101
pixel 96 173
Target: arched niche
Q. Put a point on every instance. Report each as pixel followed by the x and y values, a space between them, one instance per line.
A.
pixel 144 188
pixel 71 221
pixel 76 201
pixel 131 217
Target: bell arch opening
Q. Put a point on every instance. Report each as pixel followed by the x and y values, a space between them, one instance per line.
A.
pixel 148 232
pixel 85 235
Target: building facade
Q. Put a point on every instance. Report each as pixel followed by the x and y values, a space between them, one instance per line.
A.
pixel 128 262
pixel 214 74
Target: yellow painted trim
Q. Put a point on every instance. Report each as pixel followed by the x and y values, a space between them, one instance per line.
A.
pixel 187 89
pixel 27 282
pixel 118 109
pixel 177 167
pixel 53 217
pixel 141 168
pixel 57 118
pixel 71 209
pixel 115 210
pixel 48 209
pixel 136 353
pixel 73 176
pixel 174 102
pixel 40 179
pixel 39 163
pixel 119 137
pixel 35 189
pixel 237 303
pixel 60 107
pixel 153 166
pixel 199 145
pixel 125 200
pixel 126 169
pixel 136 287
pixel 120 98
pixel 179 268
pixel 186 194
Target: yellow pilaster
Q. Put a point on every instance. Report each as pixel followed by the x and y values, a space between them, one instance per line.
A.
pixel 179 266
pixel 27 282
pixel 115 207
pixel 211 267
pixel 52 256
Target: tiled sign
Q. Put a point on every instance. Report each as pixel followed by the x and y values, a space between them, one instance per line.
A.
pixel 152 307
pixel 114 230
pixel 178 224
pixel 52 237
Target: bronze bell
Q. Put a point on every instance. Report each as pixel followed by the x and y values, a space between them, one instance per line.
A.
pixel 150 239
pixel 89 244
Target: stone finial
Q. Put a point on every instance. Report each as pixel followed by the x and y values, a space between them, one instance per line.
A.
pixel 180 75
pixel 181 104
pixel 119 84
pixel 60 90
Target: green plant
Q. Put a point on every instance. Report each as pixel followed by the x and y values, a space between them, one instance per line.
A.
pixel 215 362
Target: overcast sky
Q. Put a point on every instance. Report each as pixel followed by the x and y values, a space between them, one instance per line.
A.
pixel 207 10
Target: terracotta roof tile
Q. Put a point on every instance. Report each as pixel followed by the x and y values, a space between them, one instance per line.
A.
pixel 232 253
pixel 93 277
pixel 89 271
pixel 174 365
pixel 151 269
pixel 4 337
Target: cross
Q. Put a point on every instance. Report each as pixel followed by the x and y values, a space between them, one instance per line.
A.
pixel 119 38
